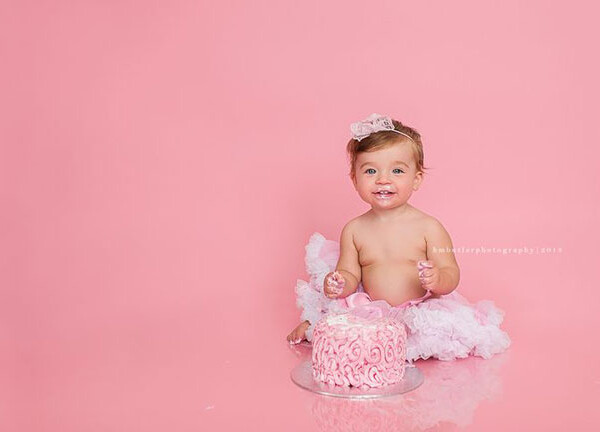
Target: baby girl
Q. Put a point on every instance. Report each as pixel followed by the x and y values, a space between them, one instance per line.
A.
pixel 399 253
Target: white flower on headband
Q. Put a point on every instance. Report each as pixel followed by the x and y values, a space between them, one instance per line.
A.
pixel 373 123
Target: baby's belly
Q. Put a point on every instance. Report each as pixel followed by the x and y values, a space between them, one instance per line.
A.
pixel 392 282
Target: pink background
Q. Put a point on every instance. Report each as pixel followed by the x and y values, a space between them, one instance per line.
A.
pixel 163 165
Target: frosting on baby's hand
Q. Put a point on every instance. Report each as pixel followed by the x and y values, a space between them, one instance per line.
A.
pixel 424 264
pixel 428 274
pixel 336 282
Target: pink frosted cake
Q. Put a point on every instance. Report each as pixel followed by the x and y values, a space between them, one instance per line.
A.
pixel 355 352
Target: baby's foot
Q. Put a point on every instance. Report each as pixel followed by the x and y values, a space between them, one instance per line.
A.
pixel 299 333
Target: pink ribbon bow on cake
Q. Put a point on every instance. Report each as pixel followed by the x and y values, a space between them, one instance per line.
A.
pixel 360 304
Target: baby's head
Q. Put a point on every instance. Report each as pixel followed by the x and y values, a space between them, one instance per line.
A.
pixel 388 159
pixel 383 139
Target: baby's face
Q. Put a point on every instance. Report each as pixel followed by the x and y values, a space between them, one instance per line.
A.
pixel 392 169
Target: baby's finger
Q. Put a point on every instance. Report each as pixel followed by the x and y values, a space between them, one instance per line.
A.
pixel 425 264
pixel 425 273
pixel 426 280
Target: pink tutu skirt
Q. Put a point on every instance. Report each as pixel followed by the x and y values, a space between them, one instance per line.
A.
pixel 445 328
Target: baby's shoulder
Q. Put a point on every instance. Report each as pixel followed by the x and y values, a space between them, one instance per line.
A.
pixel 354 223
pixel 425 221
pixel 356 226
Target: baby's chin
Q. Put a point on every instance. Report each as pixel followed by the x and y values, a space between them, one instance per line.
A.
pixel 386 206
pixel 385 203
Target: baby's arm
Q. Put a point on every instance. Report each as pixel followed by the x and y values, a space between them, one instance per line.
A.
pixel 439 251
pixel 348 264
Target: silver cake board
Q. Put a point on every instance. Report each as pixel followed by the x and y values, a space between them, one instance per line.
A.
pixel 302 375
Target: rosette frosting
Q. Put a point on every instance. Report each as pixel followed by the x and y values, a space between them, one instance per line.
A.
pixel 359 349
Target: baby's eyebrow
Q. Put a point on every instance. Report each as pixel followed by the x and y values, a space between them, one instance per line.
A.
pixel 396 162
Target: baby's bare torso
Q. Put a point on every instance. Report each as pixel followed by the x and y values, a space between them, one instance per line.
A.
pixel 388 253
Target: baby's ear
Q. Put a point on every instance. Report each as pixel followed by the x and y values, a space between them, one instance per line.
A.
pixel 418 180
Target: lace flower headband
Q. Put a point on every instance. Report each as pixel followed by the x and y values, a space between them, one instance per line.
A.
pixel 373 123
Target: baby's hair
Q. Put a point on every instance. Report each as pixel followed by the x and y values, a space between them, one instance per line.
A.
pixel 382 139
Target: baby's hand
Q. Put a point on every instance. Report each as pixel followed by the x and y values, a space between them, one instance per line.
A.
pixel 334 284
pixel 429 275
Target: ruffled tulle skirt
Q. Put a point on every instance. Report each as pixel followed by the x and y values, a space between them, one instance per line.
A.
pixel 445 328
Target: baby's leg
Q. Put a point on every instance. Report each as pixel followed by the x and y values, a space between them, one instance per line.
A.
pixel 299 333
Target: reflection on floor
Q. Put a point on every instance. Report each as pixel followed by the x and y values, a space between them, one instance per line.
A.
pixel 450 395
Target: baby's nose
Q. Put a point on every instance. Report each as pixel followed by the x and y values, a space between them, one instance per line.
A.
pixel 382 180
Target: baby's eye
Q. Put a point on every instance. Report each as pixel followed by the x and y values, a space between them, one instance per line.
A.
pixel 398 169
pixel 369 169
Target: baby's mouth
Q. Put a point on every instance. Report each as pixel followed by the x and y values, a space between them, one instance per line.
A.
pixel 384 194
